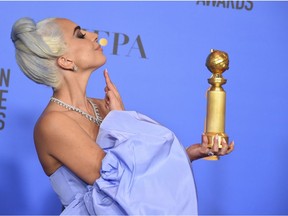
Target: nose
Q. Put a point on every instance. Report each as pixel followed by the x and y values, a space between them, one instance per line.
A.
pixel 92 36
pixel 95 37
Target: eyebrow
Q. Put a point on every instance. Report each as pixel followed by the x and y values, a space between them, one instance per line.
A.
pixel 75 29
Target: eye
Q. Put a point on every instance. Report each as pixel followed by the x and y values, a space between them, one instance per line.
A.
pixel 81 35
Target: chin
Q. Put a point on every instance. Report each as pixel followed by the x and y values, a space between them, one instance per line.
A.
pixel 103 61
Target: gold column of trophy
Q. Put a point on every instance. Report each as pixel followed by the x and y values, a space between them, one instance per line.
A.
pixel 217 62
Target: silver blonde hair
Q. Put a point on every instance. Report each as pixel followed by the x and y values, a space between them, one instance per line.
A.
pixel 38 45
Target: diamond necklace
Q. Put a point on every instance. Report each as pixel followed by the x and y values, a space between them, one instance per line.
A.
pixel 97 120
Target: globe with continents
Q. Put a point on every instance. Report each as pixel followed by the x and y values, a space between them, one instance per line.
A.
pixel 217 61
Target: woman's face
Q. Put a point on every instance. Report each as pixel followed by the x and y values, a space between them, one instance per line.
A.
pixel 82 46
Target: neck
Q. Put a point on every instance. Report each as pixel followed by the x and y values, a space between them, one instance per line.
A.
pixel 73 90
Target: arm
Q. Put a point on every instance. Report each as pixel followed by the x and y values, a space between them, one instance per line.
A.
pixel 113 101
pixel 60 141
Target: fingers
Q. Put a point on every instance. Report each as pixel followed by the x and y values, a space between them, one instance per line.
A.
pixel 112 102
pixel 205 141
pixel 106 76
pixel 109 85
pixel 107 100
pixel 224 148
pixel 112 98
pixel 230 148
pixel 205 150
pixel 215 146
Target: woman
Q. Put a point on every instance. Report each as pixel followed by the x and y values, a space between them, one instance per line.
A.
pixel 100 158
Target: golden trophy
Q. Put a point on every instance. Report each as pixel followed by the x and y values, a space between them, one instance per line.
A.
pixel 217 62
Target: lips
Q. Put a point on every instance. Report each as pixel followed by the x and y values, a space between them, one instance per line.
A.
pixel 99 48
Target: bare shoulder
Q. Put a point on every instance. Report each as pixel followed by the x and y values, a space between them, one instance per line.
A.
pixel 50 123
pixel 55 129
pixel 46 129
pixel 60 140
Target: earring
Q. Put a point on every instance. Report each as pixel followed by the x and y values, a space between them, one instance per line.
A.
pixel 75 68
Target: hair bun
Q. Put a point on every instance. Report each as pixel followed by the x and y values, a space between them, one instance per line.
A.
pixel 23 25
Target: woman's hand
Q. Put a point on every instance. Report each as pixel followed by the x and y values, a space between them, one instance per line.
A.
pixel 112 98
pixel 197 151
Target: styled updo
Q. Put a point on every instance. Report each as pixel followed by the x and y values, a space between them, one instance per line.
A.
pixel 37 48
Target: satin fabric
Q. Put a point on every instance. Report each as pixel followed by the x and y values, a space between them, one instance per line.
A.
pixel 146 171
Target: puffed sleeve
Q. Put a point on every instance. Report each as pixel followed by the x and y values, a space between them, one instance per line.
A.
pixel 145 171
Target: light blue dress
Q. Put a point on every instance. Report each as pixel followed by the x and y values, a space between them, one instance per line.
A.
pixel 146 171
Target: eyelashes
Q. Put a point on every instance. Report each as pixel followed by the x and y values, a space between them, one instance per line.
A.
pixel 81 35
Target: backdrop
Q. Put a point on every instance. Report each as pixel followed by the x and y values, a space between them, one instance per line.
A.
pixel 156 56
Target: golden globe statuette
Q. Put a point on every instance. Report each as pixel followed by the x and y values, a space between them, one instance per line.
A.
pixel 217 62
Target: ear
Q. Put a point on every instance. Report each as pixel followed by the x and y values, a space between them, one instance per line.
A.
pixel 65 63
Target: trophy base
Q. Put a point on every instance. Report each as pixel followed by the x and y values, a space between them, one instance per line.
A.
pixel 211 136
pixel 215 157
